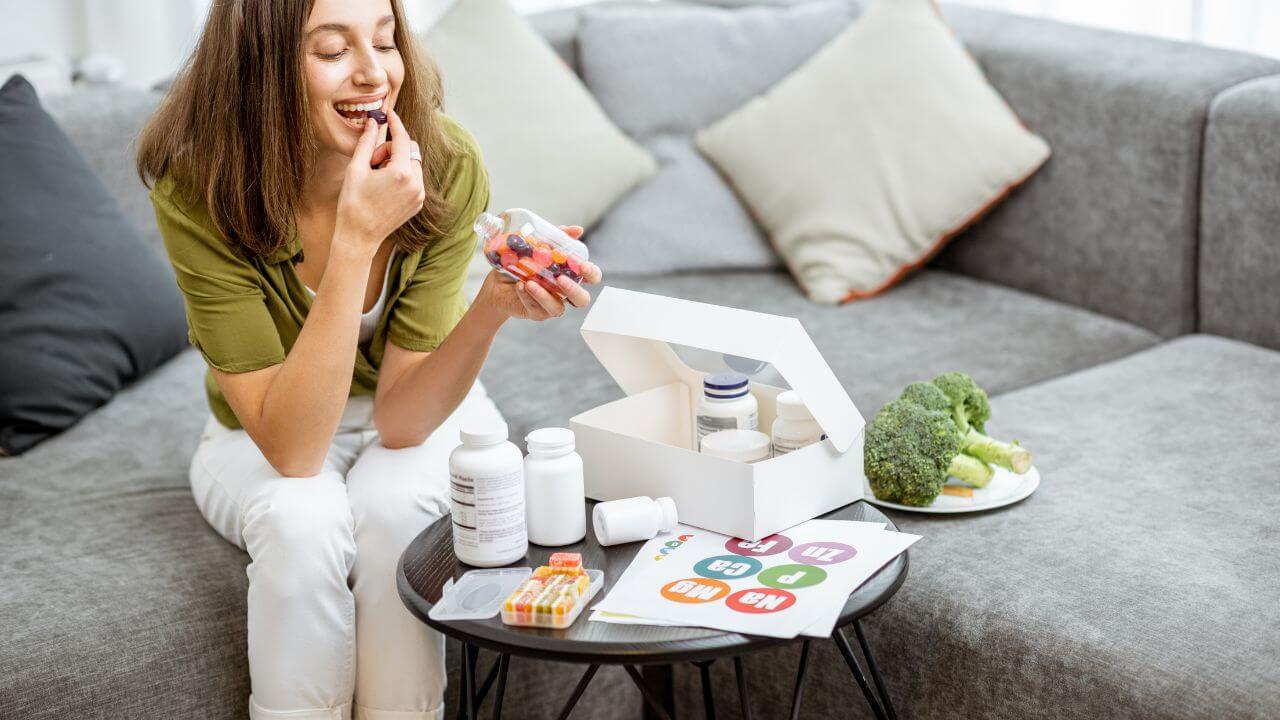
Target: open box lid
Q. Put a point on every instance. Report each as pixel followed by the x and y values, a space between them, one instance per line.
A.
pixel 631 335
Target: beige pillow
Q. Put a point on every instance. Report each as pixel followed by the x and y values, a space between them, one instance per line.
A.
pixel 863 162
pixel 547 144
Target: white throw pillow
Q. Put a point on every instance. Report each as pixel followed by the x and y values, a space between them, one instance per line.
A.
pixel 547 144
pixel 863 162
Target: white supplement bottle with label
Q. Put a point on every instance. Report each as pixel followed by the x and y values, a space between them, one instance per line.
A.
pixel 794 427
pixel 726 404
pixel 486 494
pixel 553 488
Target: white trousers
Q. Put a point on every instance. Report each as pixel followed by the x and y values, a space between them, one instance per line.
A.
pixel 328 635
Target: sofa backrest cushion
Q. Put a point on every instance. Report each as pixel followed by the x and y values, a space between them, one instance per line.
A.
pixel 104 124
pixel 663 71
pixel 85 306
pixel 1240 215
pixel 1110 222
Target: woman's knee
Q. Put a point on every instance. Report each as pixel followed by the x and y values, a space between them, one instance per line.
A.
pixel 403 489
pixel 301 530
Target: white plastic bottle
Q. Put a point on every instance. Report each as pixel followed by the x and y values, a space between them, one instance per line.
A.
pixel 741 445
pixel 794 427
pixel 726 404
pixel 632 519
pixel 553 488
pixel 486 495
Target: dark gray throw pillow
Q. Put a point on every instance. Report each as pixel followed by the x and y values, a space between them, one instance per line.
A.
pixel 86 307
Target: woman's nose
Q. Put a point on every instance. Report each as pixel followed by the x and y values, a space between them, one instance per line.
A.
pixel 369 70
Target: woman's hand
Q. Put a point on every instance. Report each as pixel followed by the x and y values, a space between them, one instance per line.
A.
pixel 529 300
pixel 376 200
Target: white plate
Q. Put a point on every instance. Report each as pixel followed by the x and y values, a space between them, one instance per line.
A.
pixel 1005 488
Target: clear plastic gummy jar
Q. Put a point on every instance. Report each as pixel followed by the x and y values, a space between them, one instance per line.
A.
pixel 523 246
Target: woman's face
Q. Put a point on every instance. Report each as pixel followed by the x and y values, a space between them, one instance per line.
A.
pixel 351 62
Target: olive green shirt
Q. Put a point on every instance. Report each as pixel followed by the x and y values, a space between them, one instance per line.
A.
pixel 246 313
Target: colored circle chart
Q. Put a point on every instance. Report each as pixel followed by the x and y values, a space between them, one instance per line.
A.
pixel 771 545
pixel 727 567
pixel 760 600
pixel 792 576
pixel 694 590
pixel 822 553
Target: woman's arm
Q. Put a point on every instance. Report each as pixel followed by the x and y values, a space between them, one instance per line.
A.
pixel 291 410
pixel 418 390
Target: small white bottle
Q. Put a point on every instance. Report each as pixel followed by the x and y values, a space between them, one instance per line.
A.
pixel 486 495
pixel 632 519
pixel 794 427
pixel 553 488
pixel 726 404
pixel 741 445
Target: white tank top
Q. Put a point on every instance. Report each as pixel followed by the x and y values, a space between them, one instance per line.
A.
pixel 369 320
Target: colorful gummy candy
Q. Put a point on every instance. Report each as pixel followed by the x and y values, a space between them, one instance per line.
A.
pixel 529 258
pixel 552 596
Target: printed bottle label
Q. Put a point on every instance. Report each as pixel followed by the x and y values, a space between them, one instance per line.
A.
pixel 488 512
pixel 782 446
pixel 708 424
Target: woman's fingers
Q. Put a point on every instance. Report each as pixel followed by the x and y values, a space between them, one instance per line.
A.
pixel 553 306
pixel 590 273
pixel 399 140
pixel 380 155
pixel 364 146
pixel 532 309
pixel 573 292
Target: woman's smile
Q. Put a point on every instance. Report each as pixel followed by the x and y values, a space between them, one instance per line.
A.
pixel 353 111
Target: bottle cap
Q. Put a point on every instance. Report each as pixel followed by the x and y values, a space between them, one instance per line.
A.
pixel 550 440
pixel 741 445
pixel 669 518
pixel 789 407
pixel 479 433
pixel 725 385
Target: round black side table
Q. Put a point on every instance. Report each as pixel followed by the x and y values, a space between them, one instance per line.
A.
pixel 429 561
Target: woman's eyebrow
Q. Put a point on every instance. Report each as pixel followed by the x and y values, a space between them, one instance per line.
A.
pixel 339 27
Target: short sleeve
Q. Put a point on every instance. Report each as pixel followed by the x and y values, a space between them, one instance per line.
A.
pixel 433 302
pixel 227 318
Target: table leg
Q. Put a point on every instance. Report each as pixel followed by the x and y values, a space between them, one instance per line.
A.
pixel 472 655
pixel 660 679
pixel 577 691
pixel 708 701
pixel 502 686
pixel 852 661
pixel 651 699
pixel 463 691
pixel 804 665
pixel 741 673
pixel 881 689
pixel 488 681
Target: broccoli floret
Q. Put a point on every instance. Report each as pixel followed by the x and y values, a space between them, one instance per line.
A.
pixel 910 450
pixel 971 409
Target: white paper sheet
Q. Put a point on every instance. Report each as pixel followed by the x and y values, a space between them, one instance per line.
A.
pixel 790 583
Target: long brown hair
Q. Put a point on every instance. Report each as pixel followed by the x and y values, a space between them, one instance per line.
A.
pixel 234 134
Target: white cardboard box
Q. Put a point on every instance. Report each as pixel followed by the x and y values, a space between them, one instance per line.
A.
pixel 643 444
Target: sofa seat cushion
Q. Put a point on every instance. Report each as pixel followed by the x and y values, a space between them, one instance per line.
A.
pixel 1139 581
pixel 1146 566
pixel 118 600
pixel 541 374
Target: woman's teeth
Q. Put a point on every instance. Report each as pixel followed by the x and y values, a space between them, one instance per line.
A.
pixel 359 107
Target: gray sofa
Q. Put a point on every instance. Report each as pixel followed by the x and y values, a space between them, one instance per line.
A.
pixel 1121 307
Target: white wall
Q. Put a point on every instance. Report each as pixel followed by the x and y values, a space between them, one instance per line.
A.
pixel 146 40
pixel 1250 25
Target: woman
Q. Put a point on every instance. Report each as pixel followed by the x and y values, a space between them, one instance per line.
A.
pixel 322 271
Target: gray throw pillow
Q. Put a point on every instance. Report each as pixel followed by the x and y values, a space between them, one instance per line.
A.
pixel 663 72
pixel 86 307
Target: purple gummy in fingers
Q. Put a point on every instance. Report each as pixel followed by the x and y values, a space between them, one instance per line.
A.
pixel 378 116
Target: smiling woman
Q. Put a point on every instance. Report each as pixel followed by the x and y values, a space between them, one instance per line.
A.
pixel 321 257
